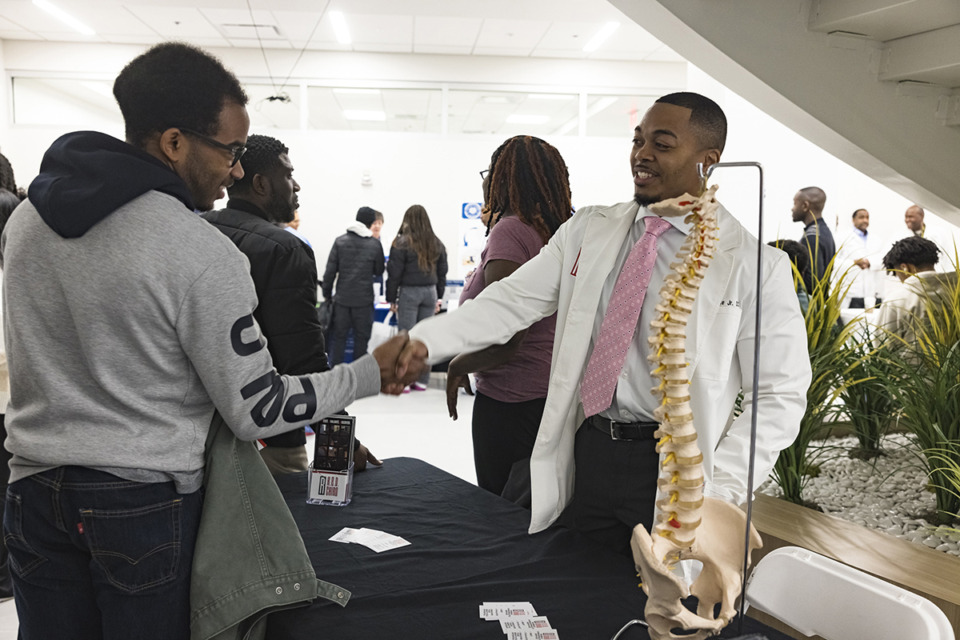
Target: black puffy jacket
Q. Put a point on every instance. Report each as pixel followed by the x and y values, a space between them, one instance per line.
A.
pixel 284 272
pixel 404 270
pixel 354 261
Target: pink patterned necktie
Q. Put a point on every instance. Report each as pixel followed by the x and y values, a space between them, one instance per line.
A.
pixel 620 320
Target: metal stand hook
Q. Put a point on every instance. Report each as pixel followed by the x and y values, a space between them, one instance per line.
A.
pixel 704 175
pixel 627 626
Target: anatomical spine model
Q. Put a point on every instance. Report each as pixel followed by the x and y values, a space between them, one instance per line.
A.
pixel 688 525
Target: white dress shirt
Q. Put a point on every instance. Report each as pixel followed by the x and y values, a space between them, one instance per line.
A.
pixel 634 400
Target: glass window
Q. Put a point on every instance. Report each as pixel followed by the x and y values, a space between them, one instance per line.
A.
pixel 87 104
pixel 398 110
pixel 512 113
pixel 273 108
pixel 615 116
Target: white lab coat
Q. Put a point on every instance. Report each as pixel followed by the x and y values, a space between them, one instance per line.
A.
pixel 568 275
pixel 863 283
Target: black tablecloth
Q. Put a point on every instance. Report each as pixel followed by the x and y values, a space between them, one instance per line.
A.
pixel 467 547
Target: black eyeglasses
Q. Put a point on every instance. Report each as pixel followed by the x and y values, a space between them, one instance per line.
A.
pixel 483 174
pixel 236 151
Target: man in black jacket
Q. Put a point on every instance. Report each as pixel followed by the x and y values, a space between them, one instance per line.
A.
pixel 284 272
pixel 355 260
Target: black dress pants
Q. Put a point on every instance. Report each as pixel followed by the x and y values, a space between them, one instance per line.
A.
pixel 615 487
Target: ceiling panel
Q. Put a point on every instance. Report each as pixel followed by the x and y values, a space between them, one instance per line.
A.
pixel 244 27
pixel 547 28
pixel 630 37
pixel 445 32
pixel 511 34
pixel 567 36
pixel 244 43
pixel 380 30
pixel 298 26
pixel 177 22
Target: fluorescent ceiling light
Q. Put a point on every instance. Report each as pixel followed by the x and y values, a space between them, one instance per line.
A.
pixel 367 116
pixel 64 17
pixel 519 118
pixel 340 27
pixel 357 92
pixel 494 99
pixel 605 32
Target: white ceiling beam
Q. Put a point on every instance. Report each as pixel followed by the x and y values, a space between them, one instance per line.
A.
pixel 882 19
pixel 932 57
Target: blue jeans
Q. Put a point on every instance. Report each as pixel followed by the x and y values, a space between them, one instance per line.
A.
pixel 94 556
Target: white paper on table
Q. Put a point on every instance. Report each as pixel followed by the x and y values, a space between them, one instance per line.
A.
pixel 525 623
pixel 499 610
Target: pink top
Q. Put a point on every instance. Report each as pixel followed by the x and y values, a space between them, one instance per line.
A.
pixel 527 375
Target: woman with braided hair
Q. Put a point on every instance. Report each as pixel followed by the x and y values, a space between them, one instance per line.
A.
pixel 526 194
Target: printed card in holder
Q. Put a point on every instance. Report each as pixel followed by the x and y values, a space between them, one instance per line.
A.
pixel 330 477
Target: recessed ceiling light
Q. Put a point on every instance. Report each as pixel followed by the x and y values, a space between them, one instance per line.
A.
pixel 605 32
pixel 340 27
pixel 64 17
pixel 520 118
pixel 366 116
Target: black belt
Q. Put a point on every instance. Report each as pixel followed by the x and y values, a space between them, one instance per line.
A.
pixel 624 430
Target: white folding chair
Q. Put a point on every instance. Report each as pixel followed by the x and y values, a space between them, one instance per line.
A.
pixel 817 595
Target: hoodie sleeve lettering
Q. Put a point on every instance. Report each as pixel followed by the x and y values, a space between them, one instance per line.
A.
pixel 224 344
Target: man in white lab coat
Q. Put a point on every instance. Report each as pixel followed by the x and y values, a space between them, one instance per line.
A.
pixel 859 262
pixel 600 471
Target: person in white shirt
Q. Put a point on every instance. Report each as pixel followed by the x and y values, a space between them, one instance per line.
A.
pixel 913 260
pixel 859 260
pixel 943 238
pixel 597 473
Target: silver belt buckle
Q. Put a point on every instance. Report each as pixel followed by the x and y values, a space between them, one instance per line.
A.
pixel 614 430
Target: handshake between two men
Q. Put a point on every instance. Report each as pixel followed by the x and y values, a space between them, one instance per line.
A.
pixel 401 361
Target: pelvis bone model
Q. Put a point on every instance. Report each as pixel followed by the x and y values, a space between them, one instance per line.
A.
pixel 688 525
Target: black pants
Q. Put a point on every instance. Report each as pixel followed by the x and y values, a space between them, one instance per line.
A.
pixel 858 303
pixel 503 435
pixel 615 487
pixel 360 319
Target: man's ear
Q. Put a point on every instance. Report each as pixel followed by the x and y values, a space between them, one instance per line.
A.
pixel 710 158
pixel 172 146
pixel 261 185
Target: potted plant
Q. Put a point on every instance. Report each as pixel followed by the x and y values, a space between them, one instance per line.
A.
pixel 832 363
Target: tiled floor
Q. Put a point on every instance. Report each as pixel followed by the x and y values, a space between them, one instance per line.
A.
pixel 414 425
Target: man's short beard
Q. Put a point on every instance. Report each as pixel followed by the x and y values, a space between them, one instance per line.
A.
pixel 280 212
pixel 645 201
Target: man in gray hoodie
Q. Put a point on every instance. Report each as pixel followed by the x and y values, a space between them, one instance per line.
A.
pixel 128 323
pixel 354 261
